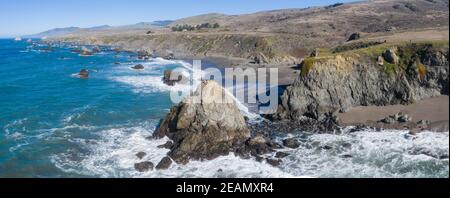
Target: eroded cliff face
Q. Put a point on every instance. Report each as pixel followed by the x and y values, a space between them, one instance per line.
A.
pixel 267 48
pixel 331 84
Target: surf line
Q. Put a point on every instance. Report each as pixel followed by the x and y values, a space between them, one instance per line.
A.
pixel 187 188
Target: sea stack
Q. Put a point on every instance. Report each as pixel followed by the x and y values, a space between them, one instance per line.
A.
pixel 204 125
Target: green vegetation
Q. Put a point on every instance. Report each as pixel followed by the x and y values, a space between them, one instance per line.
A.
pixel 185 27
pixel 354 46
pixel 390 69
pixel 307 65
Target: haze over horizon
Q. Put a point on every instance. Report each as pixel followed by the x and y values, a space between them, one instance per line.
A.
pixel 28 17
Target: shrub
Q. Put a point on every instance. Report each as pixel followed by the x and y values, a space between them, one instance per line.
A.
pixel 180 28
pixel 390 69
pixel 307 65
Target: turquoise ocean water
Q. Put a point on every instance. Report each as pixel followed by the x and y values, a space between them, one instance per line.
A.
pixel 53 124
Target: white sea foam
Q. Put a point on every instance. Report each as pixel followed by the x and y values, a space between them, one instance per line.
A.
pixel 115 155
pixel 360 154
pixel 370 154
pixel 150 84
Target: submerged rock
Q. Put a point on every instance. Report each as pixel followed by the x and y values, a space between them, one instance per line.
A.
pixel 204 125
pixel 281 155
pixel 291 143
pixel 84 73
pixel 138 67
pixel 141 155
pixel 164 164
pixel 144 166
pixel 274 162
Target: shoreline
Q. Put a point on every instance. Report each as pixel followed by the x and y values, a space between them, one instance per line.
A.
pixel 367 116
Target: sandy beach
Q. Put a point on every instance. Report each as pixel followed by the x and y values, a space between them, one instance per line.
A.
pixel 434 109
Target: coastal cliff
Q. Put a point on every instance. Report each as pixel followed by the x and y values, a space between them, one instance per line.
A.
pixel 380 75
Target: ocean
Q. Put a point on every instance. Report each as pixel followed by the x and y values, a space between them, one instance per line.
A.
pixel 53 124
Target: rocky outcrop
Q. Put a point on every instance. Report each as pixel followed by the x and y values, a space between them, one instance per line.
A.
pixel 390 56
pixel 96 49
pixel 84 51
pixel 399 117
pixel 204 125
pixel 143 166
pixel 171 78
pixel 143 54
pixel 138 67
pixel 164 164
pixel 354 36
pixel 330 85
pixel 84 73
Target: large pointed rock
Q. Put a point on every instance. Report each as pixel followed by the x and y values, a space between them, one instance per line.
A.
pixel 204 125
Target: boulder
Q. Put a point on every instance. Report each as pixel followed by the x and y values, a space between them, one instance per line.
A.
pixel 84 73
pixel 354 36
pixel 274 162
pixel 314 53
pixel 143 54
pixel 164 164
pixel 291 143
pixel 389 120
pixel 403 117
pixel 169 56
pixel 144 166
pixel 138 67
pixel 141 155
pixel 424 122
pixel 390 56
pixel 204 125
pixel 171 78
pixel 85 51
pixel 256 60
pixel 257 145
pixel 380 61
pixel 281 155
pixel 396 118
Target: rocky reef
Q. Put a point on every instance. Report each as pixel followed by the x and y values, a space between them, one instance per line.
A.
pixel 332 84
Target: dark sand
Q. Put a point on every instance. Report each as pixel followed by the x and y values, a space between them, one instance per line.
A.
pixel 434 109
pixel 287 73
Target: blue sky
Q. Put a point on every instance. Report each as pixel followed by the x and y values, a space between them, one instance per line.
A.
pixel 18 17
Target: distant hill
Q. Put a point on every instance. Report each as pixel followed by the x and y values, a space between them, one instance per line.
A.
pixel 57 32
pixel 54 32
